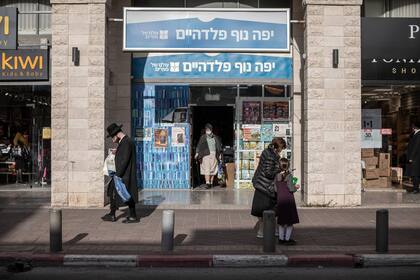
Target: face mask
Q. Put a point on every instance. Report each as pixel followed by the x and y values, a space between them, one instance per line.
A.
pixel 208 132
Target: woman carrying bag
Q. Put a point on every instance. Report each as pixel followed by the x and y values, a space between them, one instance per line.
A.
pixel 263 181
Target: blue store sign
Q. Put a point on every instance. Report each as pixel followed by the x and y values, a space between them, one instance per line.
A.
pixel 222 67
pixel 206 30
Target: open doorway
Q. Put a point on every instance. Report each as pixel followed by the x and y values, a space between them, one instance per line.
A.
pixel 222 119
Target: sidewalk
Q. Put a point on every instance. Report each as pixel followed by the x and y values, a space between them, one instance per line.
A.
pixel 212 228
pixel 321 231
pixel 21 196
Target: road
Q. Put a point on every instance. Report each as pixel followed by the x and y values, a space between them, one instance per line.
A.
pixel 400 273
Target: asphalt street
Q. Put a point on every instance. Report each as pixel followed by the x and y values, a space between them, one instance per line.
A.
pixel 400 273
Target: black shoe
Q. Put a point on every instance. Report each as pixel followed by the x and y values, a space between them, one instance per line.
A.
pixel 416 191
pixel 131 220
pixel 109 218
pixel 290 242
pixel 208 186
pixel 281 242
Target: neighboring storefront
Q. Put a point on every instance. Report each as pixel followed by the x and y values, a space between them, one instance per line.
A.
pixel 390 97
pixel 25 101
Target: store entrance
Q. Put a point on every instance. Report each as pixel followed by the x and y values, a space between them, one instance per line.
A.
pixel 222 119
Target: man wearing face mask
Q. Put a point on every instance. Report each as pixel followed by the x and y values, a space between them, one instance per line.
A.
pixel 125 168
pixel 208 152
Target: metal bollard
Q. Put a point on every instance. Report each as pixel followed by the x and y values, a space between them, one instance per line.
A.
pixel 382 230
pixel 269 230
pixel 56 240
pixel 168 225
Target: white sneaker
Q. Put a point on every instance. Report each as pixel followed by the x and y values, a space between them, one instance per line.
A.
pixel 260 235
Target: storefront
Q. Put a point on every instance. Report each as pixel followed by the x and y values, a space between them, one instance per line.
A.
pixel 164 75
pixel 390 97
pixel 25 107
pixel 216 74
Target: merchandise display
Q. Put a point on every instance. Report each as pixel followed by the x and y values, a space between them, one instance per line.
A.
pixel 163 153
pixel 253 137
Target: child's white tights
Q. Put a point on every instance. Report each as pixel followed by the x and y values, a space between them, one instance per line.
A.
pixel 285 232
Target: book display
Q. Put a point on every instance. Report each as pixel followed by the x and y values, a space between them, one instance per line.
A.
pixel 163 149
pixel 256 131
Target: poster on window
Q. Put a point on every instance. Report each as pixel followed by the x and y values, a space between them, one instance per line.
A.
pixel 251 112
pixel 251 132
pixel 275 111
pixel 178 137
pixel 161 138
pixel 267 132
pixel 281 130
pixel 371 128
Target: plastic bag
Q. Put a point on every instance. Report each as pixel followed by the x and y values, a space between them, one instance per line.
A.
pixel 221 174
pixel 121 189
pixel 109 164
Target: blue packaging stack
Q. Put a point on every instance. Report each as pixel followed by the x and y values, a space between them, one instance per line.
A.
pixel 165 167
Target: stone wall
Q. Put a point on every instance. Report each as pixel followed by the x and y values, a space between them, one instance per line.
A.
pixel 118 101
pixel 78 102
pixel 297 51
pixel 332 103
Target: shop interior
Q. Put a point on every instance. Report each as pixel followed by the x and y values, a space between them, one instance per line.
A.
pixel 25 147
pixel 385 158
pixel 246 117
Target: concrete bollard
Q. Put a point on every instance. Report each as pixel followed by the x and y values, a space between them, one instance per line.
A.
pixel 56 230
pixel 168 225
pixel 269 231
pixel 382 230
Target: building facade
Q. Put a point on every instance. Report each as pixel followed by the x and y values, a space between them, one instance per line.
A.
pixel 323 95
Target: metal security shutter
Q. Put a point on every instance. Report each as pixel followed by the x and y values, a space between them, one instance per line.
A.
pixel 405 8
pixel 44 19
pixel 31 24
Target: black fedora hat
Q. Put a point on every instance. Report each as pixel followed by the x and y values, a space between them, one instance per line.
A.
pixel 113 129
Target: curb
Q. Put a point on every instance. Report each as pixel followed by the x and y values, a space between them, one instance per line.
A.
pixel 216 261
pixel 249 261
pixel 376 260
pixel 175 261
pixel 323 260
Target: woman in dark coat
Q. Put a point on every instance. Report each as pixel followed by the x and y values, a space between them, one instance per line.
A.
pixel 263 181
pixel 286 209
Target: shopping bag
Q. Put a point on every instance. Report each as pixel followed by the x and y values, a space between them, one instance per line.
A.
pixel 109 164
pixel 121 189
pixel 221 174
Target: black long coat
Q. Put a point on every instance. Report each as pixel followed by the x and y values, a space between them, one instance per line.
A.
pixel 263 182
pixel 125 165
pixel 413 154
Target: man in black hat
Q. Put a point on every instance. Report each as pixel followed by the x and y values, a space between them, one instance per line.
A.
pixel 125 168
pixel 413 156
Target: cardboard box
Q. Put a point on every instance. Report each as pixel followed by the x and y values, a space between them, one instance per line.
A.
pixel 366 153
pixel 384 172
pixel 373 183
pixel 384 160
pixel 372 173
pixel 384 182
pixel 370 162
pixel 230 174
